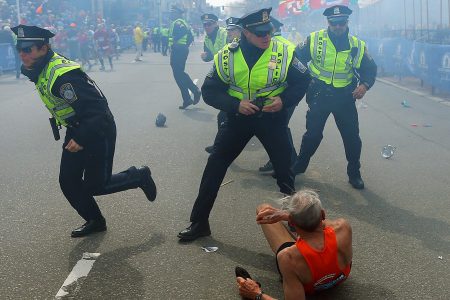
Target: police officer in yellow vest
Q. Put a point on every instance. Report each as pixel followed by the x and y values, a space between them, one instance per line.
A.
pixel 164 39
pixel 75 102
pixel 180 38
pixel 254 81
pixel 342 72
pixel 215 39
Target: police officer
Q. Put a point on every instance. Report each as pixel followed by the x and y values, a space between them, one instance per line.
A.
pixel 276 35
pixel 254 81
pixel 180 37
pixel 75 102
pixel 215 39
pixel 164 39
pixel 342 71
pixel 233 31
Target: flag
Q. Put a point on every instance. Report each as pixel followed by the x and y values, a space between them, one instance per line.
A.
pixel 318 4
pixel 40 9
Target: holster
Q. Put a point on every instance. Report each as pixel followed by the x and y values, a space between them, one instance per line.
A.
pixel 55 128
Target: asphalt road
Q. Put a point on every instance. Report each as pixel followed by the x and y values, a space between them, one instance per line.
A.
pixel 401 221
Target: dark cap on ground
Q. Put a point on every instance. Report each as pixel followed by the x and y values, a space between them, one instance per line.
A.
pixel 160 120
pixel 29 35
pixel 206 18
pixel 337 12
pixel 232 23
pixel 257 20
pixel 277 24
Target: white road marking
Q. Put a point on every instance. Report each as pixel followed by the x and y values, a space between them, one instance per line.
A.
pixel 195 82
pixel 81 269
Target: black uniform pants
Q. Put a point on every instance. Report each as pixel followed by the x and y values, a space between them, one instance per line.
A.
pixel 164 45
pixel 343 108
pixel 231 139
pixel 178 58
pixel 88 173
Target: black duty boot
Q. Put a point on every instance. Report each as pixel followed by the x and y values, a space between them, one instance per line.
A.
pixel 89 227
pixel 197 96
pixel 147 184
pixel 356 182
pixel 186 104
pixel 268 167
pixel 194 231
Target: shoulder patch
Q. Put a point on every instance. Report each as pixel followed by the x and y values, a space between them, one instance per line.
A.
pixel 296 63
pixel 67 92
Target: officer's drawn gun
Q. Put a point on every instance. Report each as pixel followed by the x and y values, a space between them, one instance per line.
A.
pixel 260 102
pixel 55 128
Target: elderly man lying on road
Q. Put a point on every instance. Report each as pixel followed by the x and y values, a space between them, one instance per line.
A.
pixel 320 256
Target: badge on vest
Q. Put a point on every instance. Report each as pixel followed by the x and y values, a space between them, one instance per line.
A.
pixel 273 64
pixel 68 93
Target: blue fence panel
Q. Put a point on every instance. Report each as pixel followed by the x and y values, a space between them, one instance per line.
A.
pixel 126 41
pixel 7 59
pixel 402 57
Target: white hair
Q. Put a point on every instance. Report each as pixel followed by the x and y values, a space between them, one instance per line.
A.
pixel 305 209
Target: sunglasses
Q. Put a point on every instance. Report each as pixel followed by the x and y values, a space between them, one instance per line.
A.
pixel 261 33
pixel 340 23
pixel 25 49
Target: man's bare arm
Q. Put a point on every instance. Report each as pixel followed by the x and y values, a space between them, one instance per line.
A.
pixel 292 286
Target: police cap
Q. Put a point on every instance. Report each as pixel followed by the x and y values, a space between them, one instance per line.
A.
pixel 277 24
pixel 337 13
pixel 257 21
pixel 29 35
pixel 232 23
pixel 207 18
pixel 160 120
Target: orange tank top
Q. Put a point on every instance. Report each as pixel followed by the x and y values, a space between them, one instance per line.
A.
pixel 323 264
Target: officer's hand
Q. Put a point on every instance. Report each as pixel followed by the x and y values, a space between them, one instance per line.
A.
pixel 247 108
pixel 248 288
pixel 72 146
pixel 203 55
pixel 276 105
pixel 360 91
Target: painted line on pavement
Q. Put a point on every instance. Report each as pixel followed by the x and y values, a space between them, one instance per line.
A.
pixel 435 99
pixel 80 270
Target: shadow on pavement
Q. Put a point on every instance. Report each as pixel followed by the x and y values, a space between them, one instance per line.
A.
pixel 112 276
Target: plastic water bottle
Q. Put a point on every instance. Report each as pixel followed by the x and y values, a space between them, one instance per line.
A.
pixel 388 151
pixel 405 104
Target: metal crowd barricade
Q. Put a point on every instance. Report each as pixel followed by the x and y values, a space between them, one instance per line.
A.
pixel 7 59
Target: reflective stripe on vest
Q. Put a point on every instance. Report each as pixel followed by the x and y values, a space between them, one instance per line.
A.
pixel 58 107
pixel 330 66
pixel 266 78
pixel 219 43
pixel 181 41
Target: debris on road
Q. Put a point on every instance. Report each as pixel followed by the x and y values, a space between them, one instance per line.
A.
pixel 388 151
pixel 210 249
pixel 225 183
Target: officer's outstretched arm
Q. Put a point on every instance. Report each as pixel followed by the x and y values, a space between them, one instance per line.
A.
pixel 298 80
pixel 214 92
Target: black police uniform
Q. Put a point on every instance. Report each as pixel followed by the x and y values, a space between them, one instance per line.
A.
pixel 325 99
pixel 88 172
pixel 178 56
pixel 269 128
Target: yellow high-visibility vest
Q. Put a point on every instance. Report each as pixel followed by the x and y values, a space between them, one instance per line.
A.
pixel 330 66
pixel 266 78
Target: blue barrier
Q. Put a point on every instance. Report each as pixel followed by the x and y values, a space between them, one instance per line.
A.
pixel 7 59
pixel 402 57
pixel 126 41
